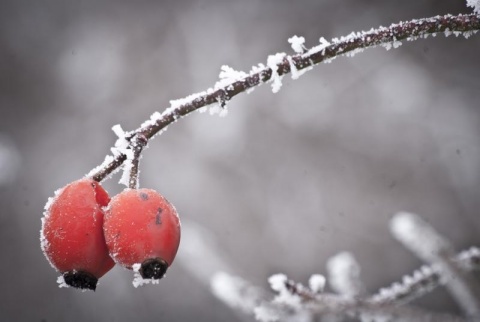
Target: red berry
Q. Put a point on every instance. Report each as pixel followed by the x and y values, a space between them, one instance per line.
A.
pixel 72 234
pixel 142 227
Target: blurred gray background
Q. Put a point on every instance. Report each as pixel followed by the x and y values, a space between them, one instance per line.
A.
pixel 281 184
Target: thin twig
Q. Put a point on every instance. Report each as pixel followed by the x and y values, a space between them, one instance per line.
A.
pixel 348 45
pixel 138 143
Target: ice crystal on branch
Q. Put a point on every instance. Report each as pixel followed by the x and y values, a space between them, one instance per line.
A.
pixel 317 283
pixel 273 63
pixel 297 44
pixel 475 4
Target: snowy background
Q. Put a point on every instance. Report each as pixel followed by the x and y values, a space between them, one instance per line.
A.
pixel 281 184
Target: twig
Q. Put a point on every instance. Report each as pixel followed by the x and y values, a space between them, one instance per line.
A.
pixel 138 143
pixel 349 45
pixel 424 280
pixel 422 239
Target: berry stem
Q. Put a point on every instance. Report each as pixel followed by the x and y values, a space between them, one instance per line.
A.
pixel 409 30
pixel 137 144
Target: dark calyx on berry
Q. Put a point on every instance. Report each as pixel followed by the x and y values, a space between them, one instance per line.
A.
pixel 153 268
pixel 82 280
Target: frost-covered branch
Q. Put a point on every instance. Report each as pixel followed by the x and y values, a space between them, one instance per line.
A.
pixel 424 280
pixel 293 300
pixel 296 302
pixel 422 239
pixel 233 83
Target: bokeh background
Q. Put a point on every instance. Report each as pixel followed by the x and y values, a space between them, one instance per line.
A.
pixel 279 185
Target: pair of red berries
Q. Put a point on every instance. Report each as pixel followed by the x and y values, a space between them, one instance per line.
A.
pixel 84 232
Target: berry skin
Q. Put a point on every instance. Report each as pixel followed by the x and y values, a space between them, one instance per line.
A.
pixel 72 233
pixel 142 227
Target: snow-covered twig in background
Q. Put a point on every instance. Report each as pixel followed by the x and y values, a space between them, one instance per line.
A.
pixel 424 280
pixel 224 91
pixel 295 302
pixel 428 245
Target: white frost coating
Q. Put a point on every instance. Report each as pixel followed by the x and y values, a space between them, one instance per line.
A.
pixel 156 116
pixel 415 285
pixel 278 284
pixel 235 291
pixel 218 109
pixel 266 313
pixel 272 62
pixel 469 253
pixel 294 71
pixel 297 44
pixel 475 4
pixel 44 244
pixel 418 236
pixel 344 275
pixel 61 282
pixel 317 283
pixel 394 44
pixel 138 280
pixel 122 147
pixel 323 44
pixel 107 161
pixel 229 76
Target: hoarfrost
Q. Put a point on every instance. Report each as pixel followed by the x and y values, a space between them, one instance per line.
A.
pixel 272 62
pixel 265 313
pixel 294 71
pixel 317 283
pixel 323 44
pixel 475 4
pixel 108 159
pixel 61 282
pixel 138 280
pixel 154 118
pixel 297 44
pixel 278 283
pixel 121 145
pixel 229 76
pixel 218 109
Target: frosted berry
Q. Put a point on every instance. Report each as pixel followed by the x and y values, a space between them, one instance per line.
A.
pixel 142 227
pixel 72 234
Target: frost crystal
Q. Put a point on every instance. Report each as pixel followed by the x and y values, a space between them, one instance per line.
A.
pixel 294 71
pixel 317 283
pixel 229 76
pixel 297 44
pixel 475 4
pixel 138 280
pixel 278 283
pixel 61 282
pixel 265 313
pixel 323 44
pixel 272 62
